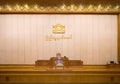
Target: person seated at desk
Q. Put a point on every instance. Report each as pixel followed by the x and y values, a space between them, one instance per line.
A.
pixel 59 60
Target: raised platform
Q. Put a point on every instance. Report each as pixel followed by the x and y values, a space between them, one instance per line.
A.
pixel 45 75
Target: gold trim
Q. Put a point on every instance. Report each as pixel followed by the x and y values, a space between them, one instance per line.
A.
pixel 81 8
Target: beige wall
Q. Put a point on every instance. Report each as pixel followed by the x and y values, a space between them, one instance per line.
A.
pixel 22 38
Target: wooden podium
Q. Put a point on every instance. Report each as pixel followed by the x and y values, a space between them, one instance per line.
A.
pixel 51 63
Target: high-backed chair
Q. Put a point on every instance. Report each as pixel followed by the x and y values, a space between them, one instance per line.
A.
pixel 53 59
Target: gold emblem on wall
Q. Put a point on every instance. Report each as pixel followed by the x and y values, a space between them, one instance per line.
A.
pixel 58 29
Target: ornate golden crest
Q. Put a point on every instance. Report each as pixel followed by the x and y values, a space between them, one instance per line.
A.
pixel 58 29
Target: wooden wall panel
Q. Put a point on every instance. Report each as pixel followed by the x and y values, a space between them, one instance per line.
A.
pixel 22 38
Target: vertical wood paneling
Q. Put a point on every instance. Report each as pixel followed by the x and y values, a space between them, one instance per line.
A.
pixel 22 38
pixel 8 39
pixel 2 40
pixel 14 44
pixel 33 26
pixel 28 39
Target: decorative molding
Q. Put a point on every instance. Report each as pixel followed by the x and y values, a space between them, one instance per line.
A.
pixel 60 9
pixel 59 6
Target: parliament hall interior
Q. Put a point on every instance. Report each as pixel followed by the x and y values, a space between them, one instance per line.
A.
pixel 59 41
